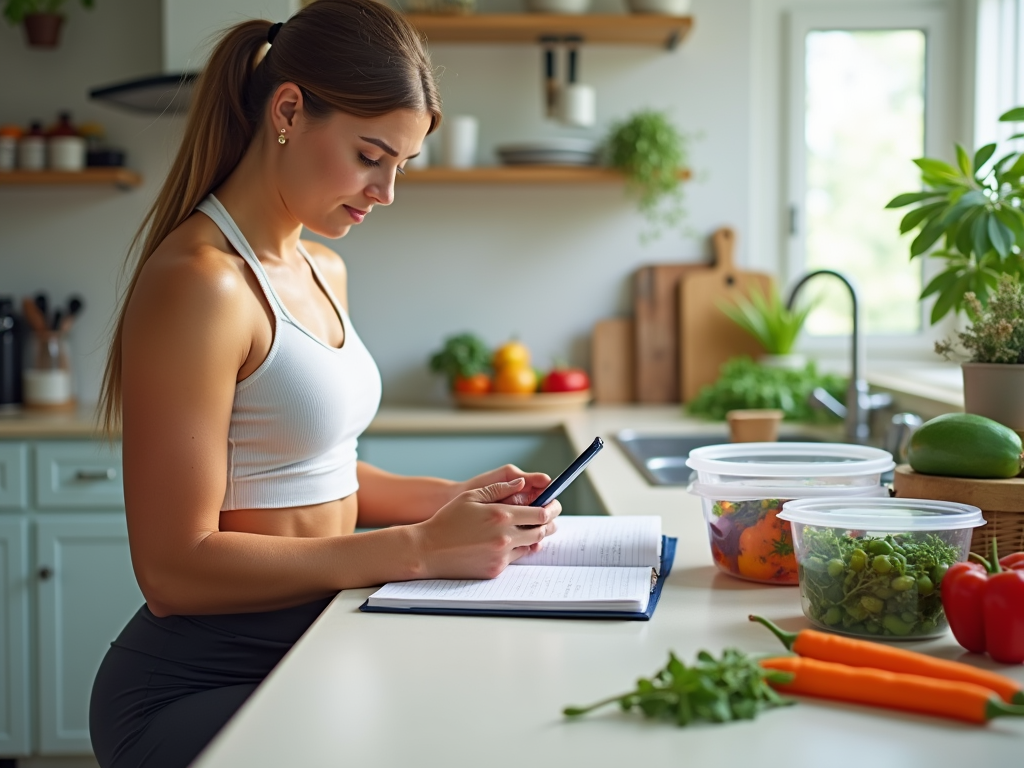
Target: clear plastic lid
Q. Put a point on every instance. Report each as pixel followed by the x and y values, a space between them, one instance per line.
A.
pixel 883 514
pixel 737 492
pixel 790 459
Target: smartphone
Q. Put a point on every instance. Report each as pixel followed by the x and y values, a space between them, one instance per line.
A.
pixel 562 482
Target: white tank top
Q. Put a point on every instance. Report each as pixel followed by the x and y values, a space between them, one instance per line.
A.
pixel 295 419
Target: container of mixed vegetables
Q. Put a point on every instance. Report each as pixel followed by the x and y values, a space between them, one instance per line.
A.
pixel 744 486
pixel 874 567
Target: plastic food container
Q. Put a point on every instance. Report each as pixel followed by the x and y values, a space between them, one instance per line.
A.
pixel 874 567
pixel 744 486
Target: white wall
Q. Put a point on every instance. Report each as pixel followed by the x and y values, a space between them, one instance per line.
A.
pixel 541 262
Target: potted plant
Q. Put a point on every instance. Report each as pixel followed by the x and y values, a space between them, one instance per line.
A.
pixel 975 208
pixel 652 153
pixel 41 18
pixel 994 376
pixel 774 325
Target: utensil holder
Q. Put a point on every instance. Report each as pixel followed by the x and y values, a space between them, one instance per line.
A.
pixel 47 378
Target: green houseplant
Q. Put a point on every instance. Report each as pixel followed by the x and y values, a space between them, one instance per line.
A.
pixel 994 375
pixel 774 325
pixel 42 19
pixel 975 209
pixel 652 153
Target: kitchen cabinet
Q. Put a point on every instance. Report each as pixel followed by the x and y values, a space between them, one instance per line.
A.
pixel 15 735
pixel 66 588
pixel 86 592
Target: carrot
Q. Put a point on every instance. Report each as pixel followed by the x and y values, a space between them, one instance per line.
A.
pixel 892 690
pixel 864 653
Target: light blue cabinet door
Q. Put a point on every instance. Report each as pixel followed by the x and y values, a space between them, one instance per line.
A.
pixel 15 732
pixel 86 592
pixel 13 472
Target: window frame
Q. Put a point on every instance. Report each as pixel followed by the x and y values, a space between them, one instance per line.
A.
pixel 939 136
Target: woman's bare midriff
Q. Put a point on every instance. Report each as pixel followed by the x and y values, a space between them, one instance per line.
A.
pixel 332 518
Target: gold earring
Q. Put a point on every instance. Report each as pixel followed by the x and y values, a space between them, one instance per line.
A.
pixel 281 139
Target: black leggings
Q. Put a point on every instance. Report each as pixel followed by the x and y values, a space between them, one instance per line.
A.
pixel 166 686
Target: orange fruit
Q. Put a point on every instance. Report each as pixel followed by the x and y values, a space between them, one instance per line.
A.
pixel 477 384
pixel 516 380
pixel 511 354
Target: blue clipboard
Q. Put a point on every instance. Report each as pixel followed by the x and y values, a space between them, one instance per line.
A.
pixel 668 555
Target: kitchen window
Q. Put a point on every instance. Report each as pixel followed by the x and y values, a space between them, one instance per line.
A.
pixel 868 93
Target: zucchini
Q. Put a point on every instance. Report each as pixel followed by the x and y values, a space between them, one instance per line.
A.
pixel 965 445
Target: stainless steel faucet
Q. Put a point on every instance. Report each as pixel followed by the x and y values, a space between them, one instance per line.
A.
pixel 859 401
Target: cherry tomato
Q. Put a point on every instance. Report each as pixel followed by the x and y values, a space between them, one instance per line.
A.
pixel 477 384
pixel 566 380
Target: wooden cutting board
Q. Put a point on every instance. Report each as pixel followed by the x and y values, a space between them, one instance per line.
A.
pixel 612 361
pixel 656 313
pixel 988 495
pixel 707 337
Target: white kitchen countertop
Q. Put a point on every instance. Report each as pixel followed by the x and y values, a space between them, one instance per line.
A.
pixel 387 690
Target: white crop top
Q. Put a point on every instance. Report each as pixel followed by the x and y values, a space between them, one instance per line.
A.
pixel 295 420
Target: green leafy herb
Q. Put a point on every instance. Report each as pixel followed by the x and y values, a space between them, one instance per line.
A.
pixel 997 333
pixel 652 153
pixel 462 355
pixel 746 384
pixel 865 585
pixel 768 320
pixel 734 687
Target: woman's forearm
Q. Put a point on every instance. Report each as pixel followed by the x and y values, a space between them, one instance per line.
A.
pixel 233 572
pixel 389 499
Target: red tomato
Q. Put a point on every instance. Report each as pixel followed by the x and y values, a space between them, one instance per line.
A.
pixel 477 384
pixel 565 380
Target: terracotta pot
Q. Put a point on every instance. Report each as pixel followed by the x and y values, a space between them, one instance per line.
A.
pixel 995 390
pixel 43 29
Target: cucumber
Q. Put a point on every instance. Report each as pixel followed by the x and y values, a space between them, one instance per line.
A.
pixel 965 445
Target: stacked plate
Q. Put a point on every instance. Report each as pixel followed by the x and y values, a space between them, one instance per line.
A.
pixel 550 152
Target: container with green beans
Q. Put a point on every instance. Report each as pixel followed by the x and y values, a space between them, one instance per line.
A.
pixel 874 567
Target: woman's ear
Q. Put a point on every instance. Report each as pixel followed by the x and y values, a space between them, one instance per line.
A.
pixel 285 106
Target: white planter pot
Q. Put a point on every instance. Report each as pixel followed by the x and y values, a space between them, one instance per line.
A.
pixel 668 7
pixel 792 361
pixel 995 390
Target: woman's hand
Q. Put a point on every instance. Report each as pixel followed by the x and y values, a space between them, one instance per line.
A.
pixel 535 483
pixel 478 533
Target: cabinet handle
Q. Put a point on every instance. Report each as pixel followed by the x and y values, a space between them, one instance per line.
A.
pixel 45 573
pixel 96 474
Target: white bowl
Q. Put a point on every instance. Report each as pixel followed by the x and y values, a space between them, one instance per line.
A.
pixel 667 7
pixel 558 6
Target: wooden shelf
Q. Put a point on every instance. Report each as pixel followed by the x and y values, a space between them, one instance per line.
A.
pixel 622 29
pixel 119 177
pixel 517 174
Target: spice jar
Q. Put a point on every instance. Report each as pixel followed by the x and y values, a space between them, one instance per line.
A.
pixel 9 135
pixel 65 148
pixel 32 149
pixel 47 374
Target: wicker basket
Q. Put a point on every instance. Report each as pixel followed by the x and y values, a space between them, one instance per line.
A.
pixel 1001 503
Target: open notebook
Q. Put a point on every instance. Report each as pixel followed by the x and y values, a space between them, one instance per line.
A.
pixel 591 567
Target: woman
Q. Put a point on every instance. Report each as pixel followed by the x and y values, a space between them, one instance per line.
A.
pixel 241 385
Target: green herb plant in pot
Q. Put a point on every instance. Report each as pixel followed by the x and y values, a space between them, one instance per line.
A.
pixel 42 19
pixel 973 213
pixel 774 325
pixel 652 153
pixel 994 374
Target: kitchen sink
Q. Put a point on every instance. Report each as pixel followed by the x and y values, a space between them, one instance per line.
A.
pixel 661 459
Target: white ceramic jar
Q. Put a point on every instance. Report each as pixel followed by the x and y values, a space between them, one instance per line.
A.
pixel 32 153
pixel 66 153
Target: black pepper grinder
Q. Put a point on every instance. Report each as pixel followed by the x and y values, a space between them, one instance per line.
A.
pixel 10 356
